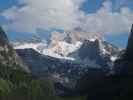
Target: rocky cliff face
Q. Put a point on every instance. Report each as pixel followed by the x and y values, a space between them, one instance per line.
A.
pixel 115 86
pixel 3 37
pixel 8 56
pixel 60 70
pixel 124 64
pixel 129 51
pixel 97 53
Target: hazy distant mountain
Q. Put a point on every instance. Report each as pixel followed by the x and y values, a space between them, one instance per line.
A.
pixel 92 52
pixel 65 61
pixel 60 70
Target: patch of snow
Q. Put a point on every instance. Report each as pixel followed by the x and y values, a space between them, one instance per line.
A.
pixel 60 50
pixel 55 55
pixel 92 39
pixel 28 45
pixel 113 58
pixel 104 51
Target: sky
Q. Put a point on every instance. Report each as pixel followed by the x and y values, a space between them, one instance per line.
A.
pixel 111 19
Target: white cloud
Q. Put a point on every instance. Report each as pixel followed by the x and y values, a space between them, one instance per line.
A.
pixel 65 14
pixel 105 21
pixel 44 14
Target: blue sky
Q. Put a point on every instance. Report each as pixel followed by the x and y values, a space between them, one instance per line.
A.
pixel 91 10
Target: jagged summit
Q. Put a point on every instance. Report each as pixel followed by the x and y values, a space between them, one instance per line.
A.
pixel 96 53
pixel 68 38
pixel 3 37
pixel 89 49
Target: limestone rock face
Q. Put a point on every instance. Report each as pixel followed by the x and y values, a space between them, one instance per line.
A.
pixel 124 65
pixel 129 51
pixel 8 56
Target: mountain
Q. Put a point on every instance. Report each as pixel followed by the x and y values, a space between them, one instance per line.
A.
pixel 126 58
pixel 129 53
pixel 16 83
pixel 3 37
pixel 115 86
pixel 68 39
pixel 57 49
pixel 8 56
pixel 118 86
pixel 60 70
pixel 64 60
pixel 97 53
pixel 92 52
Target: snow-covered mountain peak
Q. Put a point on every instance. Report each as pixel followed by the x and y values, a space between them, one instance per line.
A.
pixel 36 46
pixel 62 48
pixel 62 45
pixel 57 49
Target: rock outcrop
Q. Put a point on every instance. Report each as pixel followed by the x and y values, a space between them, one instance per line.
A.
pixel 8 56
